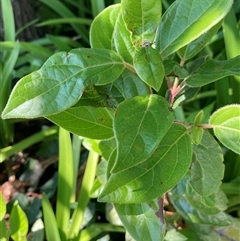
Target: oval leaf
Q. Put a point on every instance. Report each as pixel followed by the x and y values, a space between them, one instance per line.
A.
pixel 60 82
pixel 142 19
pixel 213 70
pixel 156 174
pixel 184 21
pixel 139 125
pixel 149 67
pixel 18 223
pixel 226 126
pixel 140 220
pixel 102 27
pixel 86 121
pixel 207 169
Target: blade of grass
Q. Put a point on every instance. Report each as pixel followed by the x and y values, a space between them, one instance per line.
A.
pixel 57 21
pixel 8 20
pixel 97 7
pixel 50 223
pixel 76 149
pixel 26 26
pixel 232 40
pixel 6 128
pixel 37 137
pixel 65 182
pixel 64 12
pixel 29 47
pixel 84 196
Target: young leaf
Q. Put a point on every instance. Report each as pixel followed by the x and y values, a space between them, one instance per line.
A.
pixel 226 126
pixel 139 125
pixel 213 70
pixel 184 21
pixel 142 19
pixel 60 82
pixel 196 134
pixel 155 175
pixel 18 223
pixel 102 27
pixel 149 67
pixel 207 169
pixel 87 121
pixel 141 221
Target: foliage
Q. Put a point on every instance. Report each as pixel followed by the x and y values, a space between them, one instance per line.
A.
pixel 115 92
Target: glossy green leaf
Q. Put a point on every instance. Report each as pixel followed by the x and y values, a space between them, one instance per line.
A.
pixel 139 125
pixel 197 45
pixel 60 82
pixel 226 126
pixel 87 121
pixel 2 207
pixel 213 70
pixel 149 67
pixel 207 169
pixel 50 223
pixel 155 175
pixel 192 215
pixel 141 221
pixel 127 86
pixel 18 223
pixel 185 21
pixel 122 40
pixel 102 27
pixel 107 147
pixel 142 19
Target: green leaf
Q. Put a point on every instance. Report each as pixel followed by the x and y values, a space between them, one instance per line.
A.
pixel 50 223
pixel 18 223
pixel 213 70
pixel 87 121
pixel 207 170
pixel 174 235
pixel 122 40
pixel 155 175
pixel 198 118
pixel 4 234
pixel 127 86
pixel 139 125
pixel 2 207
pixel 141 221
pixel 226 126
pixel 185 21
pixel 142 19
pixel 197 45
pixel 102 27
pixel 60 82
pixel 212 204
pixel 196 134
pixel 192 215
pixel 149 67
